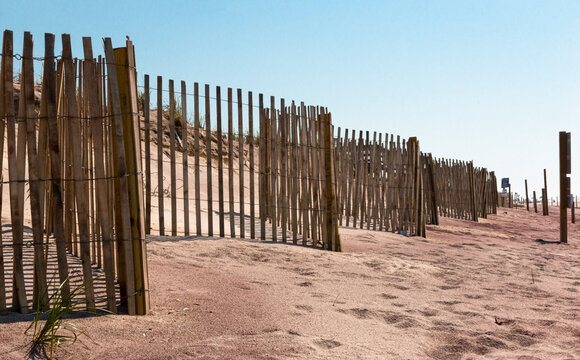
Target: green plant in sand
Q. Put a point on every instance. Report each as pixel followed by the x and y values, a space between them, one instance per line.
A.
pixel 52 327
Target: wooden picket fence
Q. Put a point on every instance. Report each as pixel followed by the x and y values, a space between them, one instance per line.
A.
pixel 310 178
pixel 280 189
pixel 380 186
pixel 108 165
pixel 78 134
pixel 457 189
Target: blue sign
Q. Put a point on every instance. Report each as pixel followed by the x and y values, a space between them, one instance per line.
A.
pixel 505 182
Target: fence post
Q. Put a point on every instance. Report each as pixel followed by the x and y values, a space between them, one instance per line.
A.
pixel 417 201
pixel 433 193
pixel 330 190
pixel 2 127
pixel 527 198
pixel 564 140
pixel 121 66
pixel 545 196
pixel 483 193
pixel 471 180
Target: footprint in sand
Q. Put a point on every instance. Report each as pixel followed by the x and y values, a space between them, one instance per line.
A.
pixel 400 287
pixel 451 303
pixel 448 287
pixel 429 312
pixel 469 296
pixel 327 344
pixel 388 296
pixel 357 313
pixel 306 308
pixel 399 320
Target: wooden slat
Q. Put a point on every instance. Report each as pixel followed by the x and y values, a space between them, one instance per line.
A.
pixel 263 164
pixel 160 172
pixel 220 160
pixel 101 185
pixel 19 292
pixel 241 165
pixel 125 264
pixel 304 172
pixel 231 165
pixel 252 169
pixel 80 186
pixel 184 137
pixel 294 173
pixel 208 161
pixel 40 292
pixel 283 150
pixel 146 114
pixel 2 128
pixel 172 160
pixel 273 162
pixel 55 163
pixel 197 126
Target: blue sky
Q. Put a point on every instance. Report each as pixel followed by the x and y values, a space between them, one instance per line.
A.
pixel 489 81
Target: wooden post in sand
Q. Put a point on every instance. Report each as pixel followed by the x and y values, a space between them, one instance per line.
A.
pixel 146 106
pixel 545 196
pixel 241 164
pixel 472 191
pixel 2 127
pixel 527 199
pixel 172 170
pixel 208 160
pixel 565 165
pixel 160 192
pixel 251 155
pixel 135 246
pixel 231 165
pixel 510 196
pixel 433 193
pixel 535 203
pixel 262 183
pixel 331 224
pixel 184 137
pixel 196 129
pixel 218 105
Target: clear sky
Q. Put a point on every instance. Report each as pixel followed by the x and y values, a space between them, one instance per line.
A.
pixel 489 81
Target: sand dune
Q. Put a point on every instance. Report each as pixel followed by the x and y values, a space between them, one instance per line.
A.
pixel 497 289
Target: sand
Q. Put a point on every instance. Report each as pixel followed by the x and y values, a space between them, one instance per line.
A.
pixel 500 288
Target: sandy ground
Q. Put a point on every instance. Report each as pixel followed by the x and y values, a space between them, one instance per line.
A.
pixel 500 289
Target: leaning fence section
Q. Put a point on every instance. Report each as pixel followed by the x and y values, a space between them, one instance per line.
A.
pixel 380 185
pixel 457 189
pixel 73 178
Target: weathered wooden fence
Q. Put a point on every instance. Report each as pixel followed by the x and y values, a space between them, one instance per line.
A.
pixel 459 190
pixel 379 185
pixel 77 133
pixel 294 169
pixel 274 181
pixel 108 165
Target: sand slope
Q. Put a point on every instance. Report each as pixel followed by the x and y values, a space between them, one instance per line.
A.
pixel 470 290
